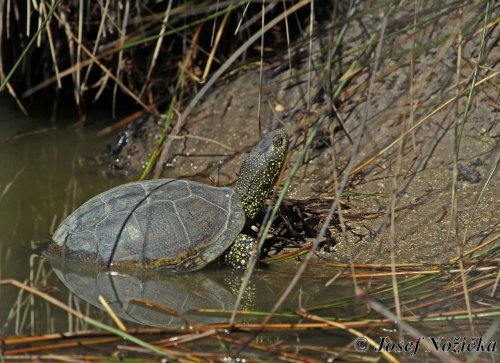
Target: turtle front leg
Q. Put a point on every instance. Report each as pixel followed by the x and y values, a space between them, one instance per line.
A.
pixel 238 255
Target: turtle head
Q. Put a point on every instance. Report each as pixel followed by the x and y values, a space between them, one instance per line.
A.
pixel 260 170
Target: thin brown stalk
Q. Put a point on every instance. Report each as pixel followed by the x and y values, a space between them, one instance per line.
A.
pixel 411 93
pixel 477 248
pixel 187 338
pixel 123 34
pixel 215 46
pixel 241 18
pixel 65 345
pixel 272 349
pixel 309 60
pixel 9 185
pixel 478 287
pixel 51 45
pixel 196 137
pixel 156 306
pixel 119 124
pixel 288 46
pixel 354 332
pixel 111 313
pixel 100 31
pixel 159 42
pixel 261 67
pixel 78 89
pixel 28 17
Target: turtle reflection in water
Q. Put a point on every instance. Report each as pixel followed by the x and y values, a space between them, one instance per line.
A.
pixel 170 223
pixel 142 297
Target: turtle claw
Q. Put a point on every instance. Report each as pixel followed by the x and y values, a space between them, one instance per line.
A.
pixel 238 255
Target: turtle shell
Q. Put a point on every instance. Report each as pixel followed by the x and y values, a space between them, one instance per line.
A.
pixel 156 223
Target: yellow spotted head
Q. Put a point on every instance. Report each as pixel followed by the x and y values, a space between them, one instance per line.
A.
pixel 260 170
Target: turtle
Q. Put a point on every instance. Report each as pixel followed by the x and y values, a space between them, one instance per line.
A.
pixel 176 224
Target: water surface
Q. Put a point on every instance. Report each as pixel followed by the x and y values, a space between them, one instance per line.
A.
pixel 47 170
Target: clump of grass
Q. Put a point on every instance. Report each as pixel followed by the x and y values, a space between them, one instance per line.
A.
pixel 136 49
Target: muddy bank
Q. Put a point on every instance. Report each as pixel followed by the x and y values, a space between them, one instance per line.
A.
pixel 411 84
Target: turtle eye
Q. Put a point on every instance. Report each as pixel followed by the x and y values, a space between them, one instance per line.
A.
pixel 278 142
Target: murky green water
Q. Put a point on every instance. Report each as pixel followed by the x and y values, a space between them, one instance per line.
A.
pixel 46 171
